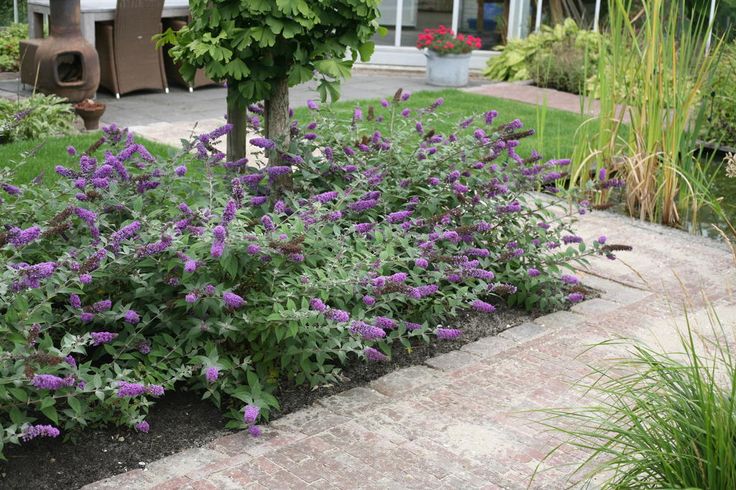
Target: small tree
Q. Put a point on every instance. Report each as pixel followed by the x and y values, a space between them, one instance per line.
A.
pixel 263 47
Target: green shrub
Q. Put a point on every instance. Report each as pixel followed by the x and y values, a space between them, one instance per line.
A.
pixel 665 420
pixel 6 11
pixel 561 66
pixel 514 62
pixel 133 275
pixel 720 122
pixel 35 117
pixel 10 37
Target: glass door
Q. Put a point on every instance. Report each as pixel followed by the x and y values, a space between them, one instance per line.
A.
pixel 480 18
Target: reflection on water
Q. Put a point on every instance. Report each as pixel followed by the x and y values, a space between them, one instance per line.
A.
pixel 724 187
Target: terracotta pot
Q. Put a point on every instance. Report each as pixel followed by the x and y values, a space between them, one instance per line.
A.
pixel 90 115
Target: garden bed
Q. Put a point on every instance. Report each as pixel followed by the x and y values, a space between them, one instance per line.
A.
pixel 181 420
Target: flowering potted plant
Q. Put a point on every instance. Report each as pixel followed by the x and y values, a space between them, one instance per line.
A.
pixel 448 55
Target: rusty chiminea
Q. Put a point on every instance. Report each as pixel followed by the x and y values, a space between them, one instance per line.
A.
pixel 64 64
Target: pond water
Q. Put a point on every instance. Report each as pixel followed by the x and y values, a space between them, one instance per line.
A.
pixel 724 187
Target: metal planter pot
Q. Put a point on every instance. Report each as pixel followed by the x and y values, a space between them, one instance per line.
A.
pixel 450 70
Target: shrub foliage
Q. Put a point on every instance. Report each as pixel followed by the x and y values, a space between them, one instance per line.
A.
pixel 10 37
pixel 37 116
pixel 134 276
pixel 720 122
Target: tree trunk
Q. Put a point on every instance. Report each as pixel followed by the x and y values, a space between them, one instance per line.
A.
pixel 557 12
pixel 277 117
pixel 236 139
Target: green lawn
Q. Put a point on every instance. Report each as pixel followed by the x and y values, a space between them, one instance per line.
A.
pixel 554 138
pixel 34 157
pixel 555 129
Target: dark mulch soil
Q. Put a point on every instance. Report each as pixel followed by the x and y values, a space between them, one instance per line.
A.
pixel 181 420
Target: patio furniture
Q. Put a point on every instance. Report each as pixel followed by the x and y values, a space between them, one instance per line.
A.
pixel 172 68
pixel 129 58
pixel 93 11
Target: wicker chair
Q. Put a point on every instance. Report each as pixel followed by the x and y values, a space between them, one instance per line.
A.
pixel 172 69
pixel 129 59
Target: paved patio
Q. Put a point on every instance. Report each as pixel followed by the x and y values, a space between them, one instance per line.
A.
pixel 460 420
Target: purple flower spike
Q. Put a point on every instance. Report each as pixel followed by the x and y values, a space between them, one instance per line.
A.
pixel 368 332
pixel 75 301
pixel 34 431
pixel 254 431
pixel 317 305
pixel 482 306
pixel 312 105
pixel 99 338
pixel 142 427
pixel 338 315
pixel 250 414
pixel 51 382
pixel 264 143
pixel 575 297
pixel 232 300
pixel 385 323
pixel 374 355
pixel 132 317
pixel 569 279
pixel 448 333
pixel 211 374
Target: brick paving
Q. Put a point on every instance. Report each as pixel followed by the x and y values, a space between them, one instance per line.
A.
pixel 462 420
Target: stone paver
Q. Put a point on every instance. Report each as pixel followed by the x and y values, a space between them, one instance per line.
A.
pixel 466 419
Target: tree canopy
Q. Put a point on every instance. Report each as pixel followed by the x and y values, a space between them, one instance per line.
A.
pixel 256 43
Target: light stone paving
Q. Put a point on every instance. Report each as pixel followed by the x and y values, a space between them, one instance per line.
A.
pixel 463 419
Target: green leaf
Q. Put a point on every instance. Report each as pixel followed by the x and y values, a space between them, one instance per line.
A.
pixel 74 404
pixel 366 50
pixel 51 414
pixel 19 394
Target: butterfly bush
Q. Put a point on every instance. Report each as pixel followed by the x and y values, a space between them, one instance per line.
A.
pixel 366 235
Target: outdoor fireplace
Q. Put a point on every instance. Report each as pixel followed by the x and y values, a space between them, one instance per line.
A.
pixel 64 64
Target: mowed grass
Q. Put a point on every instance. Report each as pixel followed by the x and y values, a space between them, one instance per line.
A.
pixel 555 129
pixel 554 138
pixel 32 158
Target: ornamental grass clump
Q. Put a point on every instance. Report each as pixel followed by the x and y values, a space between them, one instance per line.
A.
pixel 135 276
pixel 663 419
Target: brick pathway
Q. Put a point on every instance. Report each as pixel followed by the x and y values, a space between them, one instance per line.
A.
pixel 459 421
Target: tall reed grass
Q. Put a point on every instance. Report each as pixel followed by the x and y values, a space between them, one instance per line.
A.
pixel 664 420
pixel 652 74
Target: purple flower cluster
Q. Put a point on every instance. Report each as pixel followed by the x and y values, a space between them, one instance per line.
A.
pixel 482 306
pixel 447 333
pixel 51 382
pixel 99 338
pixel 31 275
pixel 232 300
pixel 264 143
pixel 33 431
pixel 367 331
pixel 374 355
pixel 19 238
pixel 211 374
